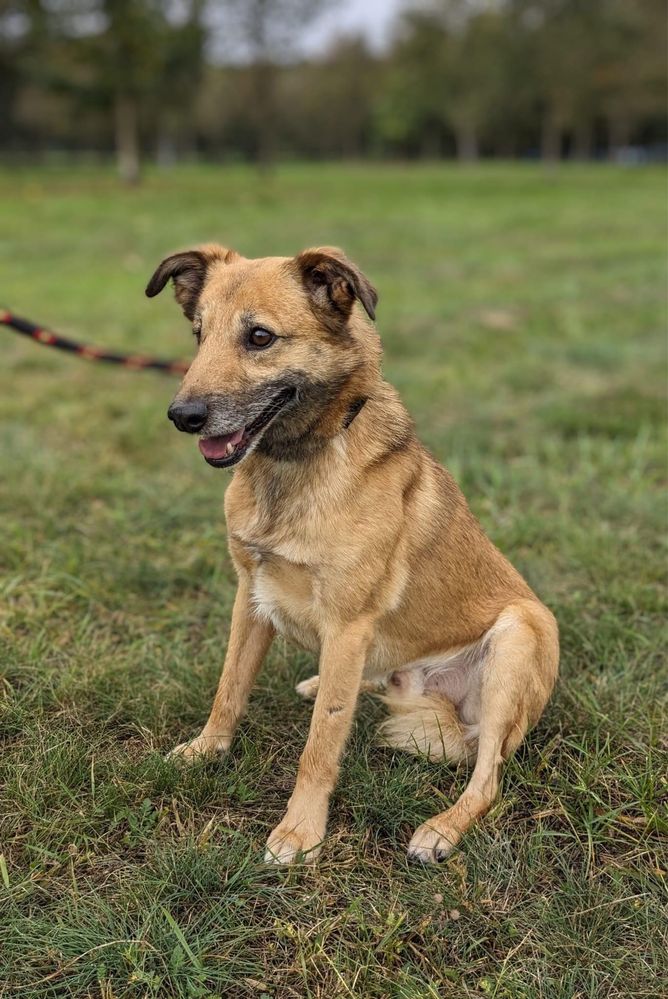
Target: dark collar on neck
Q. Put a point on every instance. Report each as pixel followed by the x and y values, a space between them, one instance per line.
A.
pixel 355 408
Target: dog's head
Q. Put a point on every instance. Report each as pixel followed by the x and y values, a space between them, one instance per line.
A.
pixel 283 355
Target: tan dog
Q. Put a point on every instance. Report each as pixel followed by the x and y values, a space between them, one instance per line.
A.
pixel 349 538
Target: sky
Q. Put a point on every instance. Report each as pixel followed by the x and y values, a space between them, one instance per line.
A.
pixel 375 20
pixel 372 18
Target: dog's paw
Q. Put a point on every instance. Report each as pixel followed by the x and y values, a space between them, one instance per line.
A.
pixel 197 749
pixel 431 843
pixel 294 843
pixel 308 689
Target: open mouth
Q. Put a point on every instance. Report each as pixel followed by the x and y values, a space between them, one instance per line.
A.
pixel 227 449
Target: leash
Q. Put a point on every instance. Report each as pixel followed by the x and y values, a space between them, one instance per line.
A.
pixel 134 361
pixel 49 339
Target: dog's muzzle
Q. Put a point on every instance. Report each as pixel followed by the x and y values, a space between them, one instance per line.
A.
pixel 205 417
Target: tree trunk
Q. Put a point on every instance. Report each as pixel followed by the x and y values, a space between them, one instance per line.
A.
pixel 583 141
pixel 127 138
pixel 619 133
pixel 550 141
pixel 166 153
pixel 506 146
pixel 466 137
pixel 430 146
pixel 264 82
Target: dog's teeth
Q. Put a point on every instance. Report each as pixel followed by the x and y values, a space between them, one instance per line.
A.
pixel 229 449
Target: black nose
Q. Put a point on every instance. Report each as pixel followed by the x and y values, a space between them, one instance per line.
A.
pixel 188 416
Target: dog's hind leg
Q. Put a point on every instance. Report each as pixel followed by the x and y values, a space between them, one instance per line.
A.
pixel 308 689
pixel 516 681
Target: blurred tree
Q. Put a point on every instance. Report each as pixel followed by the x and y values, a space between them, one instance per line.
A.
pixel 263 33
pixel 561 53
pixel 23 36
pixel 447 75
pixel 631 68
pixel 411 114
pixel 128 59
pixel 512 108
pixel 590 61
pixel 119 58
pixel 225 129
pixel 326 108
pixel 474 64
pixel 174 93
pixel 143 58
pixel 470 77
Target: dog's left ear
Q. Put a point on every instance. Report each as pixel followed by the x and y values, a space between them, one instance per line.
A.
pixel 188 271
pixel 333 283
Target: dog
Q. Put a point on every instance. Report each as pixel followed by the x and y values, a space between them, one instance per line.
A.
pixel 348 538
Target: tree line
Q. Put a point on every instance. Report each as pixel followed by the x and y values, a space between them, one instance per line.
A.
pixel 223 79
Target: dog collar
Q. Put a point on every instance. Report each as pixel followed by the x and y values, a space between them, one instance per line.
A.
pixel 353 411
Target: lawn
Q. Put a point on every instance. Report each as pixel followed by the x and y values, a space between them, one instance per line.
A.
pixel 523 316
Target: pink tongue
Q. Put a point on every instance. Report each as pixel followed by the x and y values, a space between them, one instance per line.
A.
pixel 216 447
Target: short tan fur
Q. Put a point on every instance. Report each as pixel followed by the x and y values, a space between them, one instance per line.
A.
pixel 350 539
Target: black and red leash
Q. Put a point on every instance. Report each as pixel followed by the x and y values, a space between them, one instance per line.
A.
pixel 50 339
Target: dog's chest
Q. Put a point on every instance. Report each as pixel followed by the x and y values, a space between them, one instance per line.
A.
pixel 286 593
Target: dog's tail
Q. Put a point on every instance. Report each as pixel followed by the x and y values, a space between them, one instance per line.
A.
pixel 427 725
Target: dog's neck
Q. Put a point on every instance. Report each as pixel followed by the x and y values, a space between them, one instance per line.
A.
pixel 322 412
pixel 374 420
pixel 313 475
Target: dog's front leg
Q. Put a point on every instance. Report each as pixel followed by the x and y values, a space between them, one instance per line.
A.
pixel 303 826
pixel 250 637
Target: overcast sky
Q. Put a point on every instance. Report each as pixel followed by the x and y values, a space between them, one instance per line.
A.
pixel 372 18
pixel 375 20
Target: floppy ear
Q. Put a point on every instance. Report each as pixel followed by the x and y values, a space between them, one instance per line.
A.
pixel 333 283
pixel 188 272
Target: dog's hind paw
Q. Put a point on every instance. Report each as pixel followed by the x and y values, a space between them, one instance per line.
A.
pixel 308 688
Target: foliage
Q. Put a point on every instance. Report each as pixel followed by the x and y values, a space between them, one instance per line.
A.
pixel 226 79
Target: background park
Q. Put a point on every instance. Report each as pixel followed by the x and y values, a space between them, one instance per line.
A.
pixel 497 170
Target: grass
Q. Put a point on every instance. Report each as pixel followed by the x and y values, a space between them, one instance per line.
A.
pixel 524 322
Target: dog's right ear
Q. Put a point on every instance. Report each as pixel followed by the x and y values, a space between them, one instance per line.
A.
pixel 188 272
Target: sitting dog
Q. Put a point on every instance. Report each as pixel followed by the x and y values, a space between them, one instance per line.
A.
pixel 348 538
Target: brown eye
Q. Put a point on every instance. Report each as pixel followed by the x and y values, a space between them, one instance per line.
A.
pixel 258 338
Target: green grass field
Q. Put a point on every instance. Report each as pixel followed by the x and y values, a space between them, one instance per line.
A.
pixel 523 316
